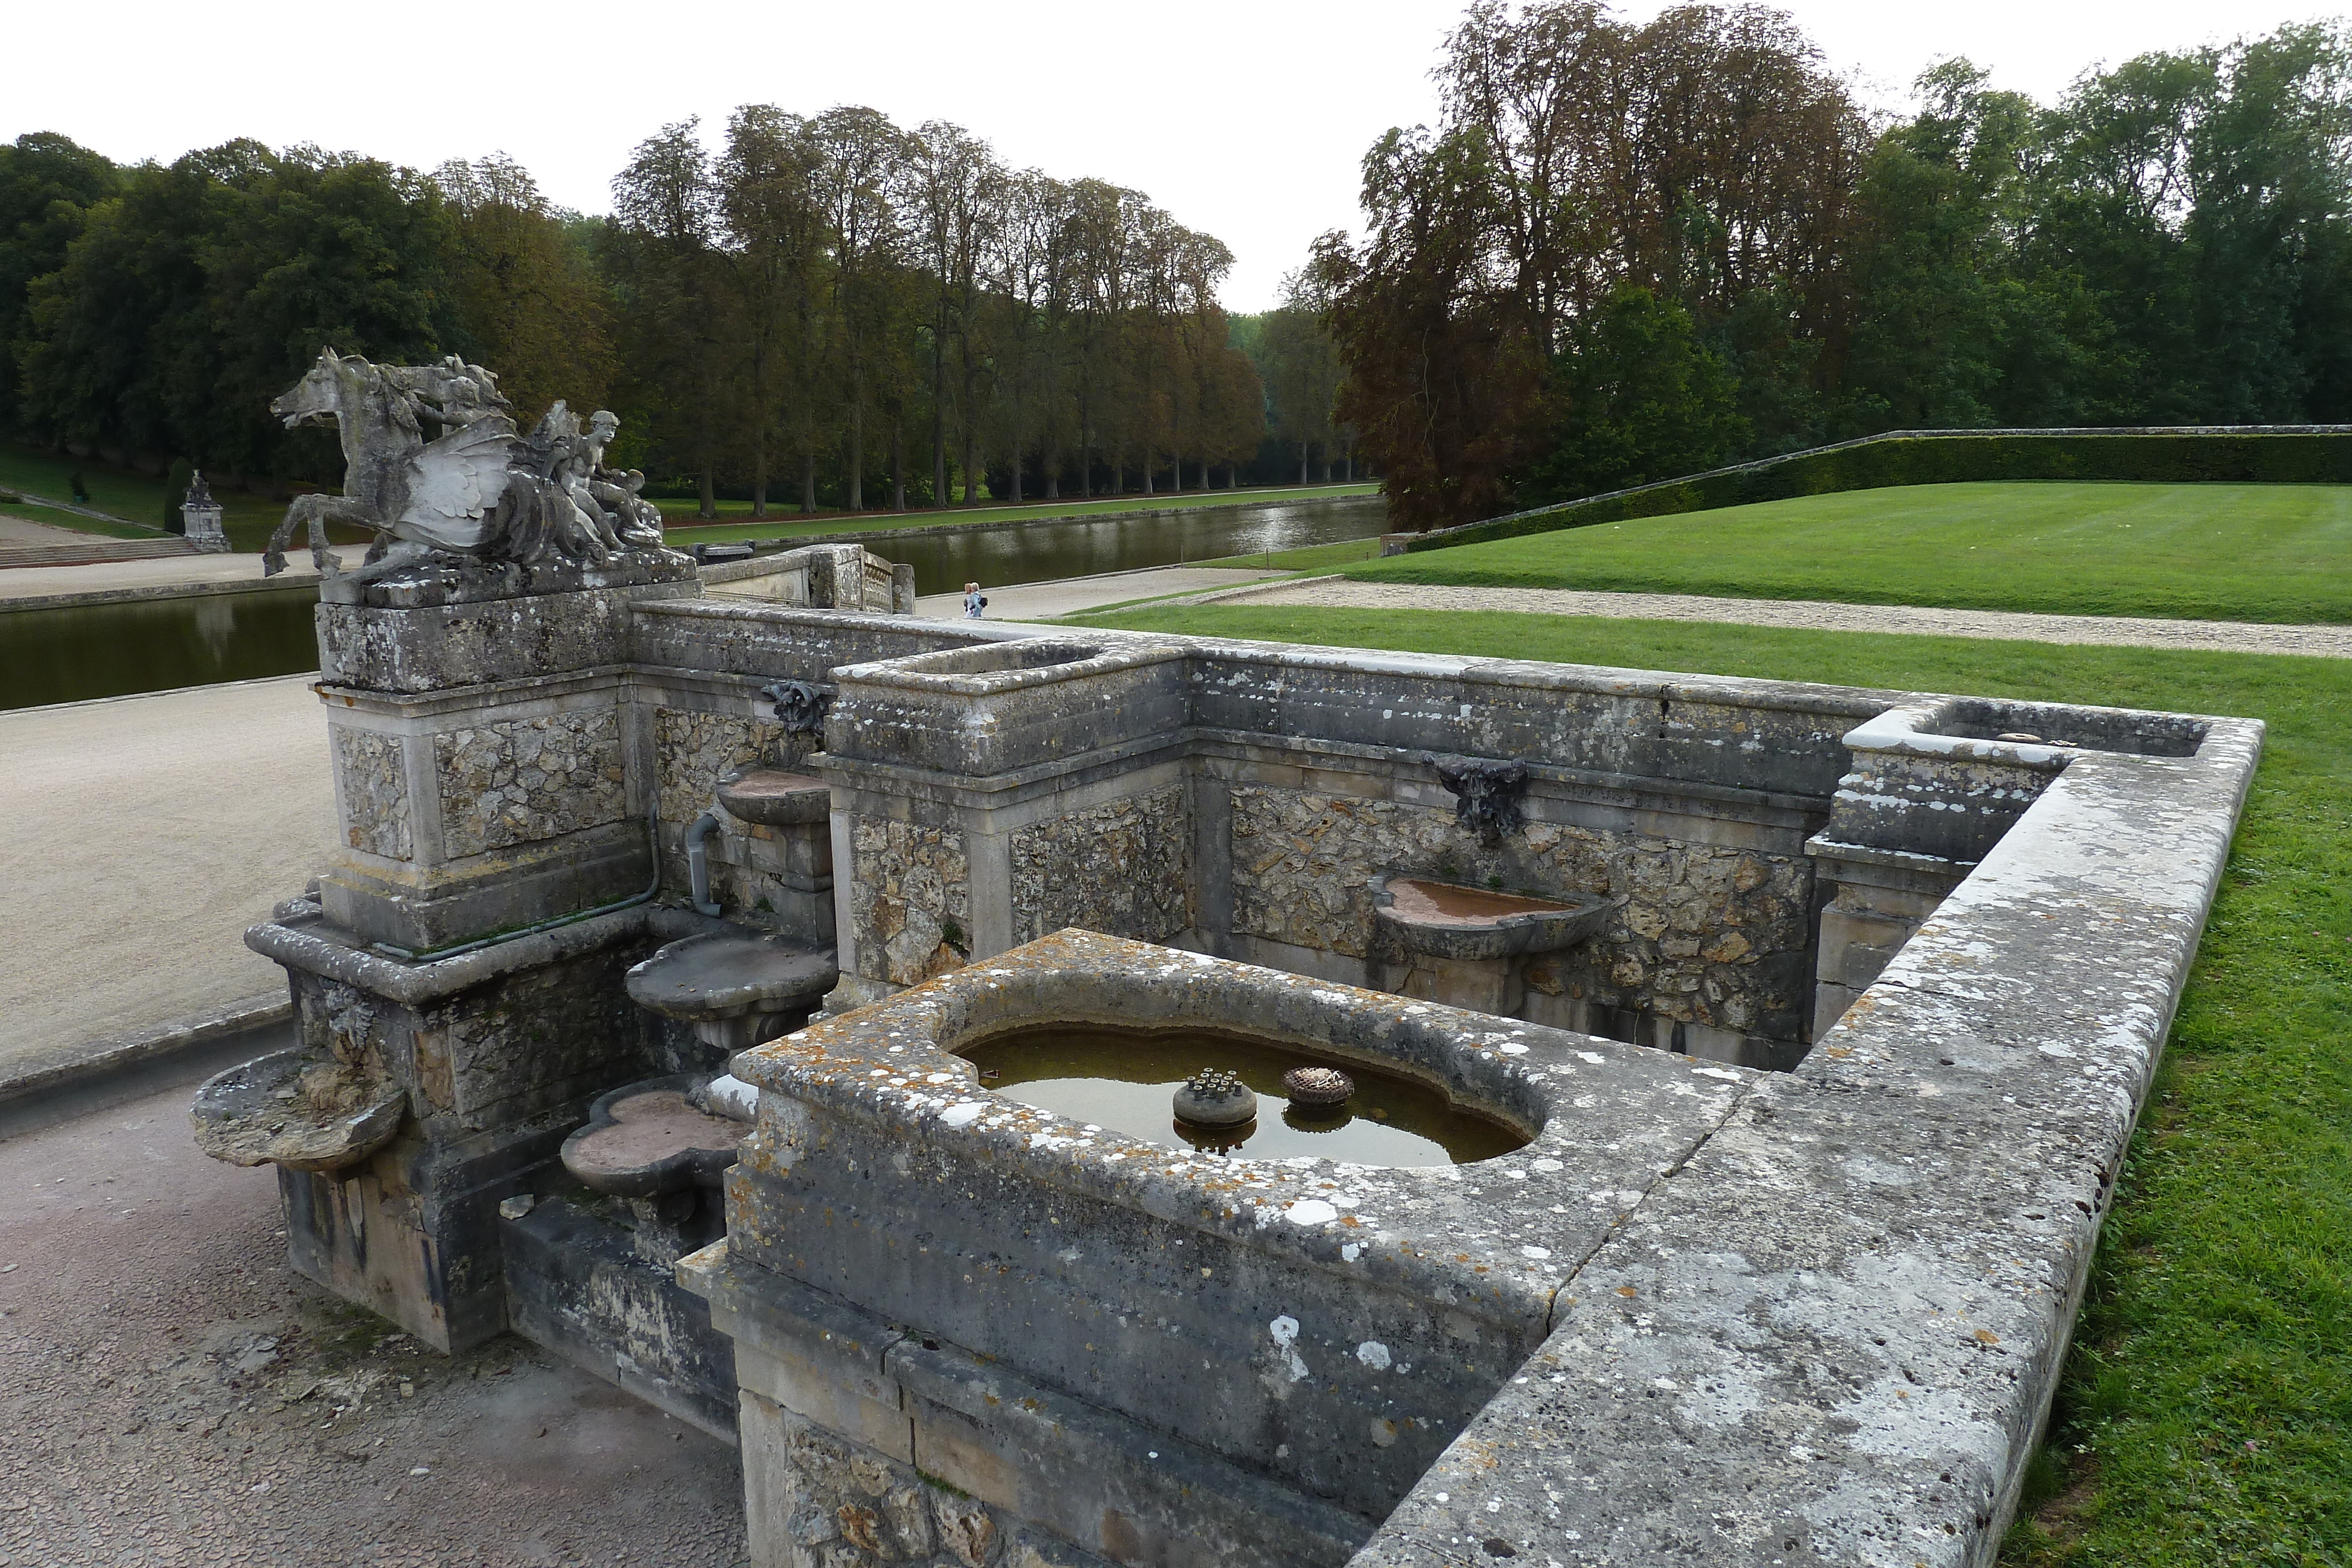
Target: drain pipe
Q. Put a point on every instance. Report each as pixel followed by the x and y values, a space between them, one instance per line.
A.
pixel 698 861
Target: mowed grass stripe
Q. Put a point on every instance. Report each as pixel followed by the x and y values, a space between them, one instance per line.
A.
pixel 2210 553
pixel 2205 1414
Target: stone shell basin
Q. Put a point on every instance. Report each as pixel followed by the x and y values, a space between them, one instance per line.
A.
pixel 648 1138
pixel 704 980
pixel 1444 920
pixel 300 1108
pixel 773 797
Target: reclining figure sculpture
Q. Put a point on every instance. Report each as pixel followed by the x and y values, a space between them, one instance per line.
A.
pixel 478 490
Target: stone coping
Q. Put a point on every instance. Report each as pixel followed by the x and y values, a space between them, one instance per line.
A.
pixel 1005 667
pixel 1836 1334
pixel 1925 729
pixel 299 936
pixel 1499 1236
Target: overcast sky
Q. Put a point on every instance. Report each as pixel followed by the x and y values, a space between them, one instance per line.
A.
pixel 1245 118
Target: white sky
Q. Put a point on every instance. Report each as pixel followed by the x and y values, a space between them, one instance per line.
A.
pixel 1245 118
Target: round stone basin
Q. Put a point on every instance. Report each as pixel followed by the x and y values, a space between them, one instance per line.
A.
pixel 1444 920
pixel 705 978
pixel 775 799
pixel 1124 1079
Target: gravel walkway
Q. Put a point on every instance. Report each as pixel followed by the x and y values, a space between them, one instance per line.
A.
pixel 140 836
pixel 2127 631
pixel 171 1394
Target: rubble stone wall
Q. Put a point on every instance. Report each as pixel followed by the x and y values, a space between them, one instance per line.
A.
pixel 845 1506
pixel 524 780
pixel 1706 934
pixel 1123 869
pixel 693 751
pixel 374 791
pixel 910 902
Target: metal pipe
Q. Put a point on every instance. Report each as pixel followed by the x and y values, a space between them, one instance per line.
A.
pixel 653 888
pixel 698 861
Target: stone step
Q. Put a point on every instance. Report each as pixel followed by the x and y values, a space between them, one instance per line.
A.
pixel 93 553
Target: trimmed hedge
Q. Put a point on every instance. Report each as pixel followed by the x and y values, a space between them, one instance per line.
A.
pixel 2303 454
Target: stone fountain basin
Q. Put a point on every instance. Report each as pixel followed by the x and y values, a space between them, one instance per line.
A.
pixel 730 974
pixel 1360 1314
pixel 300 1108
pixel 1444 920
pixel 648 1138
pixel 775 799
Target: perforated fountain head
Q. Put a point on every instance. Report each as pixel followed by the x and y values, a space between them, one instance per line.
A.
pixel 1215 1098
pixel 1317 1088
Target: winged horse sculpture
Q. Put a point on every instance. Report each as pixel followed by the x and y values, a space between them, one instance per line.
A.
pixel 437 495
pixel 475 489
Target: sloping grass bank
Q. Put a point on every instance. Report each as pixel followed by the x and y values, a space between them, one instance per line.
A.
pixel 2217 552
pixel 2243 454
pixel 2205 1418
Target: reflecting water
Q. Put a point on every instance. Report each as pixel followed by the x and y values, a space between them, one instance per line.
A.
pixel 1047 551
pixel 110 650
pixel 1126 1079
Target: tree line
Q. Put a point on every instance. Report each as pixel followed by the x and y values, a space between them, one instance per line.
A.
pixel 1628 252
pixel 823 310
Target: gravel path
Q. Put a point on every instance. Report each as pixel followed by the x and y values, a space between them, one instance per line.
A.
pixel 2128 631
pixel 140 836
pixel 171 1394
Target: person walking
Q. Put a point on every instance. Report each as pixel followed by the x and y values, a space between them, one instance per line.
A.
pixel 973 602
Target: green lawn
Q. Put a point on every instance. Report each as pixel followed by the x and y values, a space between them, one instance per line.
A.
pixel 2229 552
pixel 2205 1414
pixel 783 524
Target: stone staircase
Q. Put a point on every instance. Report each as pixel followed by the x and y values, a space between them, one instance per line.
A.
pixel 91 554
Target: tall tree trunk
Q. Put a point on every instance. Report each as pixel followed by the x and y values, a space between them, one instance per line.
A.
pixel 963 414
pixel 808 480
pixel 857 439
pixel 898 461
pixel 710 507
pixel 760 470
pixel 1147 470
pixel 1302 463
pixel 1326 466
pixel 1348 458
pixel 939 421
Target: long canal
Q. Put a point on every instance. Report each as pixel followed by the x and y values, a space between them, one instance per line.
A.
pixel 80 652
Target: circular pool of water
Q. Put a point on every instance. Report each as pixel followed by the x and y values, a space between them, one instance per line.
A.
pixel 1124 1079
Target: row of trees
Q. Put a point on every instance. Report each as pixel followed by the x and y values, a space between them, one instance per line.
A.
pixel 834 291
pixel 1626 253
pixel 828 310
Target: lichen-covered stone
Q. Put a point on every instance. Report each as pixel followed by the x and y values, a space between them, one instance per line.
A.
pixel 1706 934
pixel 1124 869
pixel 842 1505
pixel 373 792
pixel 520 782
pixel 694 750
pixel 910 901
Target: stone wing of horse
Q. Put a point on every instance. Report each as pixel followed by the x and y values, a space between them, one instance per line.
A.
pixel 454 483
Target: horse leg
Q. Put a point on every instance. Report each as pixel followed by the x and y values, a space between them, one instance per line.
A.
pixel 273 558
pixel 329 564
